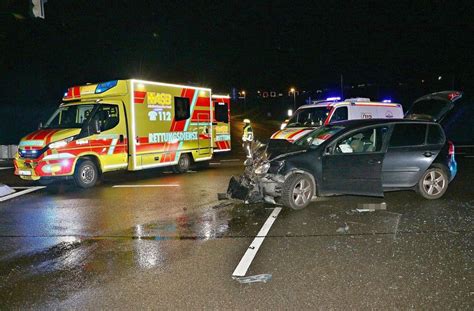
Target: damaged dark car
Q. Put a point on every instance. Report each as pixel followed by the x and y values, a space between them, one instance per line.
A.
pixel 362 157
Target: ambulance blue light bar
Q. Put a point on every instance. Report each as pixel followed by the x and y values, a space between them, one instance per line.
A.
pixel 105 86
pixel 333 98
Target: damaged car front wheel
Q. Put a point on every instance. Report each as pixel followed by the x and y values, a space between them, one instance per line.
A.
pixel 297 191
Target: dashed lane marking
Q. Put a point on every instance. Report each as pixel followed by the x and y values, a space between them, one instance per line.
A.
pixel 24 190
pixel 145 186
pixel 249 255
pixel 6 168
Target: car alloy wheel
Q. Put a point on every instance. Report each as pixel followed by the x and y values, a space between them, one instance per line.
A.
pixel 433 184
pixel 302 192
pixel 297 191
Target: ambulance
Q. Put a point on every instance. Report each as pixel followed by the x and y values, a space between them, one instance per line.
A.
pixel 125 125
pixel 308 117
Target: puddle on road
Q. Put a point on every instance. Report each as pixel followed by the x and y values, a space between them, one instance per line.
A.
pixel 71 263
pixel 225 219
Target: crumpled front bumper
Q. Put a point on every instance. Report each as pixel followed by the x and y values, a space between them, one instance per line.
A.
pixel 271 187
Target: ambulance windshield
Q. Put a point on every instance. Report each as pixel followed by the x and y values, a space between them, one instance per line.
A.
pixel 309 117
pixel 70 116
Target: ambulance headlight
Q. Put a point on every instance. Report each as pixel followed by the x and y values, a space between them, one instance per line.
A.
pixel 60 143
pixel 283 125
pixel 262 169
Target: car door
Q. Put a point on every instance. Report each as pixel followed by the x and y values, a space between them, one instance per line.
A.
pixel 408 156
pixel 110 145
pixel 353 164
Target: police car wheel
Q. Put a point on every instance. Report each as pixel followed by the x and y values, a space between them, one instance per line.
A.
pixel 86 174
pixel 183 165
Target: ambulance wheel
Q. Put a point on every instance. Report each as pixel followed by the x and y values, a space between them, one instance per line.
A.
pixel 86 174
pixel 183 165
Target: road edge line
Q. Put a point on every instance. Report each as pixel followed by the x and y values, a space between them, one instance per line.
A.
pixel 20 193
pixel 252 250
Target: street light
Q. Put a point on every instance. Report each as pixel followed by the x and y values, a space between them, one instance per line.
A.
pixel 245 101
pixel 292 90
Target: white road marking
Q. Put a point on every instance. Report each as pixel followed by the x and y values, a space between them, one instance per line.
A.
pixel 6 168
pixel 231 160
pixel 24 191
pixel 249 255
pixel 214 163
pixel 469 156
pixel 145 186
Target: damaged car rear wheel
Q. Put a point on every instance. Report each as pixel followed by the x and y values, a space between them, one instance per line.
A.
pixel 297 191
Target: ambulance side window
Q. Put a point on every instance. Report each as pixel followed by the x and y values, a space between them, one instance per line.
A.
pixel 221 112
pixel 340 114
pixel 182 108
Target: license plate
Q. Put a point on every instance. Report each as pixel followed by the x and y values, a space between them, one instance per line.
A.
pixel 25 173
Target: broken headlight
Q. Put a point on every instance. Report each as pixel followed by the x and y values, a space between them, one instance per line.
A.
pixel 262 169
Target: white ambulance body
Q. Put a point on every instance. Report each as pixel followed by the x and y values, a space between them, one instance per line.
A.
pixel 320 113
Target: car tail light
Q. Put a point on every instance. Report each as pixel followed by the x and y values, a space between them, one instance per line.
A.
pixel 451 148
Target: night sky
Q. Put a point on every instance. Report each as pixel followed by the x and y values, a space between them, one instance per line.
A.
pixel 223 44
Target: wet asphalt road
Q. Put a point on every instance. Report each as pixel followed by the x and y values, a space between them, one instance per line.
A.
pixel 175 247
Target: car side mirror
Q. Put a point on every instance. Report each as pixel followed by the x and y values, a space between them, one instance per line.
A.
pixel 40 125
pixel 327 150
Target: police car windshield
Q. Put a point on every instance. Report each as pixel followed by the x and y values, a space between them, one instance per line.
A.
pixel 314 116
pixel 70 116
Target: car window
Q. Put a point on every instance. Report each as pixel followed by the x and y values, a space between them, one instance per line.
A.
pixel 435 135
pixel 340 114
pixel 318 136
pixel 408 135
pixel 364 141
pixel 108 117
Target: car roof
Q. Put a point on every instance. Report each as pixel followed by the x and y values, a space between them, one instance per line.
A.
pixel 368 122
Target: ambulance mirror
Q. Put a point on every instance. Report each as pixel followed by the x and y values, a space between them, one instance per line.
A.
pixel 40 125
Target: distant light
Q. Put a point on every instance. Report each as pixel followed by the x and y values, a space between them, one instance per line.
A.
pixel 422 81
pixel 333 98
pixel 290 112
pixel 292 90
pixel 243 92
pixel 440 77
pixel 386 101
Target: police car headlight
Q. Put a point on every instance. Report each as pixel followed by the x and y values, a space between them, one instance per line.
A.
pixel 60 143
pixel 262 169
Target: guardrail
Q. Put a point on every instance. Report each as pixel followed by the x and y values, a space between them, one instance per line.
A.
pixel 8 151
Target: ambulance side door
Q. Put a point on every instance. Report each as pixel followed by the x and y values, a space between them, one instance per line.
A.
pixel 110 145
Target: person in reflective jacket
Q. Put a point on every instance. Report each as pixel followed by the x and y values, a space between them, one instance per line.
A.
pixel 247 138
